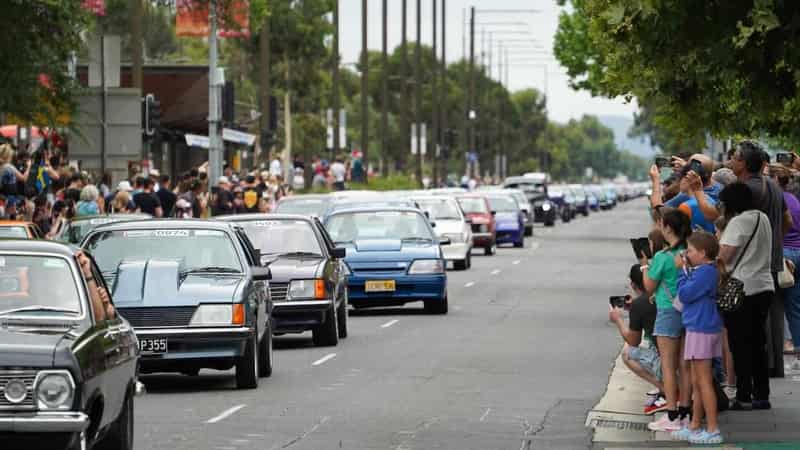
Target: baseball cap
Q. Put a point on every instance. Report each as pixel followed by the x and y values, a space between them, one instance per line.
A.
pixel 125 185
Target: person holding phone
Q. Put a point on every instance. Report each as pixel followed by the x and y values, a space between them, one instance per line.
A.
pixel 644 361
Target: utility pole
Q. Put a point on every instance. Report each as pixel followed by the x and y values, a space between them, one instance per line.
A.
pixel 215 143
pixel 384 86
pixel 471 112
pixel 335 100
pixel 264 81
pixel 418 91
pixel 364 87
pixel 136 42
pixel 437 107
pixel 443 93
pixel 404 109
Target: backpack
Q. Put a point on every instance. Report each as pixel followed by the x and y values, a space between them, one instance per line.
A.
pixel 8 181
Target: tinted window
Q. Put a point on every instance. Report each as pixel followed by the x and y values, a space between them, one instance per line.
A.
pixel 378 225
pixel 503 204
pixel 282 236
pixel 31 281
pixel 13 232
pixel 440 209
pixel 303 206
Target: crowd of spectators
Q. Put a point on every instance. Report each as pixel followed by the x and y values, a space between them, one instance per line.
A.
pixel 713 223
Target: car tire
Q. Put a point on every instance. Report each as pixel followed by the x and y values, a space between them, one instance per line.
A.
pixel 520 243
pixel 490 250
pixel 436 306
pixel 341 317
pixel 586 212
pixel 550 223
pixel 528 231
pixel 469 259
pixel 120 434
pixel 327 333
pixel 265 355
pixel 247 367
pixel 461 264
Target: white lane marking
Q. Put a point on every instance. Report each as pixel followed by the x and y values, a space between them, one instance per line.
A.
pixel 225 414
pixel 515 262
pixel 325 358
pixel 389 323
pixel 470 284
pixel 534 246
pixel 494 272
pixel 305 435
pixel 483 417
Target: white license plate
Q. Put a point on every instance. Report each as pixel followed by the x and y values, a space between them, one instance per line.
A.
pixel 153 346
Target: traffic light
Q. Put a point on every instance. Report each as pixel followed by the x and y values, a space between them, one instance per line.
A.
pixel 152 115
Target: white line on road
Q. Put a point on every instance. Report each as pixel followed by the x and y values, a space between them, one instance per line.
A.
pixel 515 262
pixel 325 358
pixel 225 414
pixel 389 323
pixel 486 414
pixel 495 272
pixel 470 284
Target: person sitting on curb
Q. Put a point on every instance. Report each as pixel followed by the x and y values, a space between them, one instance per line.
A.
pixel 643 361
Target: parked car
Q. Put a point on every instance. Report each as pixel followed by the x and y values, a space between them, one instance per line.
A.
pixel 479 214
pixel 393 257
pixel 15 229
pixel 535 187
pixel 582 203
pixel 68 363
pixel 562 202
pixel 308 287
pixel 510 223
pixel 307 204
pixel 526 207
pixel 448 220
pixel 77 228
pixel 195 292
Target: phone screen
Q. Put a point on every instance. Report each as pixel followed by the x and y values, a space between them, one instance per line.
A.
pixel 617 301
pixel 641 247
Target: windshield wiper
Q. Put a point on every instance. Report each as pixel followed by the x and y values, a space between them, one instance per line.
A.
pixel 301 254
pixel 40 308
pixel 416 239
pixel 210 269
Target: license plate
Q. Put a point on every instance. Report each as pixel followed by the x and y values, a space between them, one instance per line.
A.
pixel 380 286
pixel 153 346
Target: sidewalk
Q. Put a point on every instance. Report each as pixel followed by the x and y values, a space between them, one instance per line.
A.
pixel 618 422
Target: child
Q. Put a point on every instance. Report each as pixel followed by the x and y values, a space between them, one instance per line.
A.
pixel 697 291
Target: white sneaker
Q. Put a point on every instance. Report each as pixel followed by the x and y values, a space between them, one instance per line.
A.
pixel 665 425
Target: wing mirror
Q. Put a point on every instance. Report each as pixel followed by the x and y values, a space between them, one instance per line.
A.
pixel 261 274
pixel 468 219
pixel 494 213
pixel 339 252
pixel 445 241
pixel 433 224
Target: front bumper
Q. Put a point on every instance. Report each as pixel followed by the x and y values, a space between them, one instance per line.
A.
pixel 540 215
pixel 299 316
pixel 211 347
pixel 509 235
pixel 483 239
pixel 456 251
pixel 408 288
pixel 44 422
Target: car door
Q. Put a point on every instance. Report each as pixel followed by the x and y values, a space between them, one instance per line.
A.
pixel 258 296
pixel 337 273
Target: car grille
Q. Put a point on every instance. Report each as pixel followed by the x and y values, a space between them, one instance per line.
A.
pixel 28 377
pixel 479 228
pixel 170 316
pixel 278 292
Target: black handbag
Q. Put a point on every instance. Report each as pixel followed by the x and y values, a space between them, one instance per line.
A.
pixel 730 294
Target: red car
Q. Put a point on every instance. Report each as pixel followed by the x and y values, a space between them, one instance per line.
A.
pixel 480 215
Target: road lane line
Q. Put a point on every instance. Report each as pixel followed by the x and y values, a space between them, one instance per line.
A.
pixel 307 433
pixel 486 414
pixel 225 414
pixel 325 358
pixel 494 272
pixel 389 323
pixel 515 262
pixel 470 284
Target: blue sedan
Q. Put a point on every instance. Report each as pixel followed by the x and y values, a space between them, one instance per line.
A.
pixel 393 257
pixel 509 218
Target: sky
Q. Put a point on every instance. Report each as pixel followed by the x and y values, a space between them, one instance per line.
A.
pixel 539 27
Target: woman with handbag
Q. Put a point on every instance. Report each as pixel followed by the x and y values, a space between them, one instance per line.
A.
pixel 745 293
pixel 661 279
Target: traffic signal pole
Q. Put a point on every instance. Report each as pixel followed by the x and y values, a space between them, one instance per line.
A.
pixel 214 141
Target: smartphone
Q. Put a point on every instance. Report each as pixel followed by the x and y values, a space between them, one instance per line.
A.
pixel 784 158
pixel 641 247
pixel 696 166
pixel 618 301
pixel 662 161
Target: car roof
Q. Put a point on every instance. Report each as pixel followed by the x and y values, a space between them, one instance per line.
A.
pixel 132 216
pixel 36 246
pixel 261 216
pixel 167 223
pixel 423 198
pixel 375 209
pixel 302 197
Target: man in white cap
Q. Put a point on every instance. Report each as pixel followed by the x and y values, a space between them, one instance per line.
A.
pixel 224 203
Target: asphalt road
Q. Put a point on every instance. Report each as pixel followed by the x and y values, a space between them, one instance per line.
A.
pixel 523 354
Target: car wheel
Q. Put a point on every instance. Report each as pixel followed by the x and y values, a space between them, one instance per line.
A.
pixel 342 318
pixel 520 243
pixel 436 306
pixel 326 334
pixel 528 231
pixel 460 264
pixel 120 435
pixel 586 212
pixel 550 223
pixel 469 259
pixel 265 355
pixel 247 367
pixel 490 250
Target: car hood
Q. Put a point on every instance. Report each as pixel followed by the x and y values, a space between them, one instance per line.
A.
pixel 30 349
pixel 486 218
pixel 389 250
pixel 448 227
pixel 507 217
pixel 159 283
pixel 285 268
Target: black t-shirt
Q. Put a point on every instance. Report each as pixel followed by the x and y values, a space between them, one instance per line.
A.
pixel 642 315
pixel 167 199
pixel 224 202
pixel 73 194
pixel 251 196
pixel 147 202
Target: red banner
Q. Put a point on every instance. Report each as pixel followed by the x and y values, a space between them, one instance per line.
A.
pixel 192 19
pixel 97 7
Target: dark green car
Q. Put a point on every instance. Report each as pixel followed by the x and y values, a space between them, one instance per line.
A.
pixel 79 227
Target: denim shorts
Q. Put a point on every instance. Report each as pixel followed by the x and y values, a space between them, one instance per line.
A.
pixel 668 323
pixel 648 358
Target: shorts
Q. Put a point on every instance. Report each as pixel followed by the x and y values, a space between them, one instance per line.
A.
pixel 648 358
pixel 701 346
pixel 668 323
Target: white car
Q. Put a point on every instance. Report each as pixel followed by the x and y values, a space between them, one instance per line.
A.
pixel 449 221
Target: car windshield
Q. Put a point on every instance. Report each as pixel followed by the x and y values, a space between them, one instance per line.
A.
pixel 303 206
pixel 406 225
pixel 522 201
pixel 282 236
pixel 503 204
pixel 27 284
pixel 473 205
pixel 440 209
pixel 194 248
pixel 13 232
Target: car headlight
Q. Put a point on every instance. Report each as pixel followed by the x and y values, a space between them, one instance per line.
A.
pixel 55 389
pixel 455 238
pixel 218 315
pixel 483 228
pixel 546 207
pixel 426 266
pixel 307 290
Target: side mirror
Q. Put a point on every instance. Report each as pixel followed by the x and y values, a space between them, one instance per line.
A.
pixel 468 219
pixel 494 213
pixel 339 252
pixel 444 241
pixel 433 224
pixel 261 273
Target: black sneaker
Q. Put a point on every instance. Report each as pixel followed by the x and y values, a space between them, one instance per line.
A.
pixel 741 406
pixel 762 404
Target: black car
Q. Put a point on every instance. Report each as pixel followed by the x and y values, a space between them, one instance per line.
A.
pixel 68 362
pixel 544 211
pixel 194 290
pixel 309 278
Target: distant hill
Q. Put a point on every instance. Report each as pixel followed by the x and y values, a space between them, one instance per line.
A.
pixel 621 125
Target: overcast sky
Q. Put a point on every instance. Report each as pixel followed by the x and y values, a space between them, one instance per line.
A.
pixel 564 103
